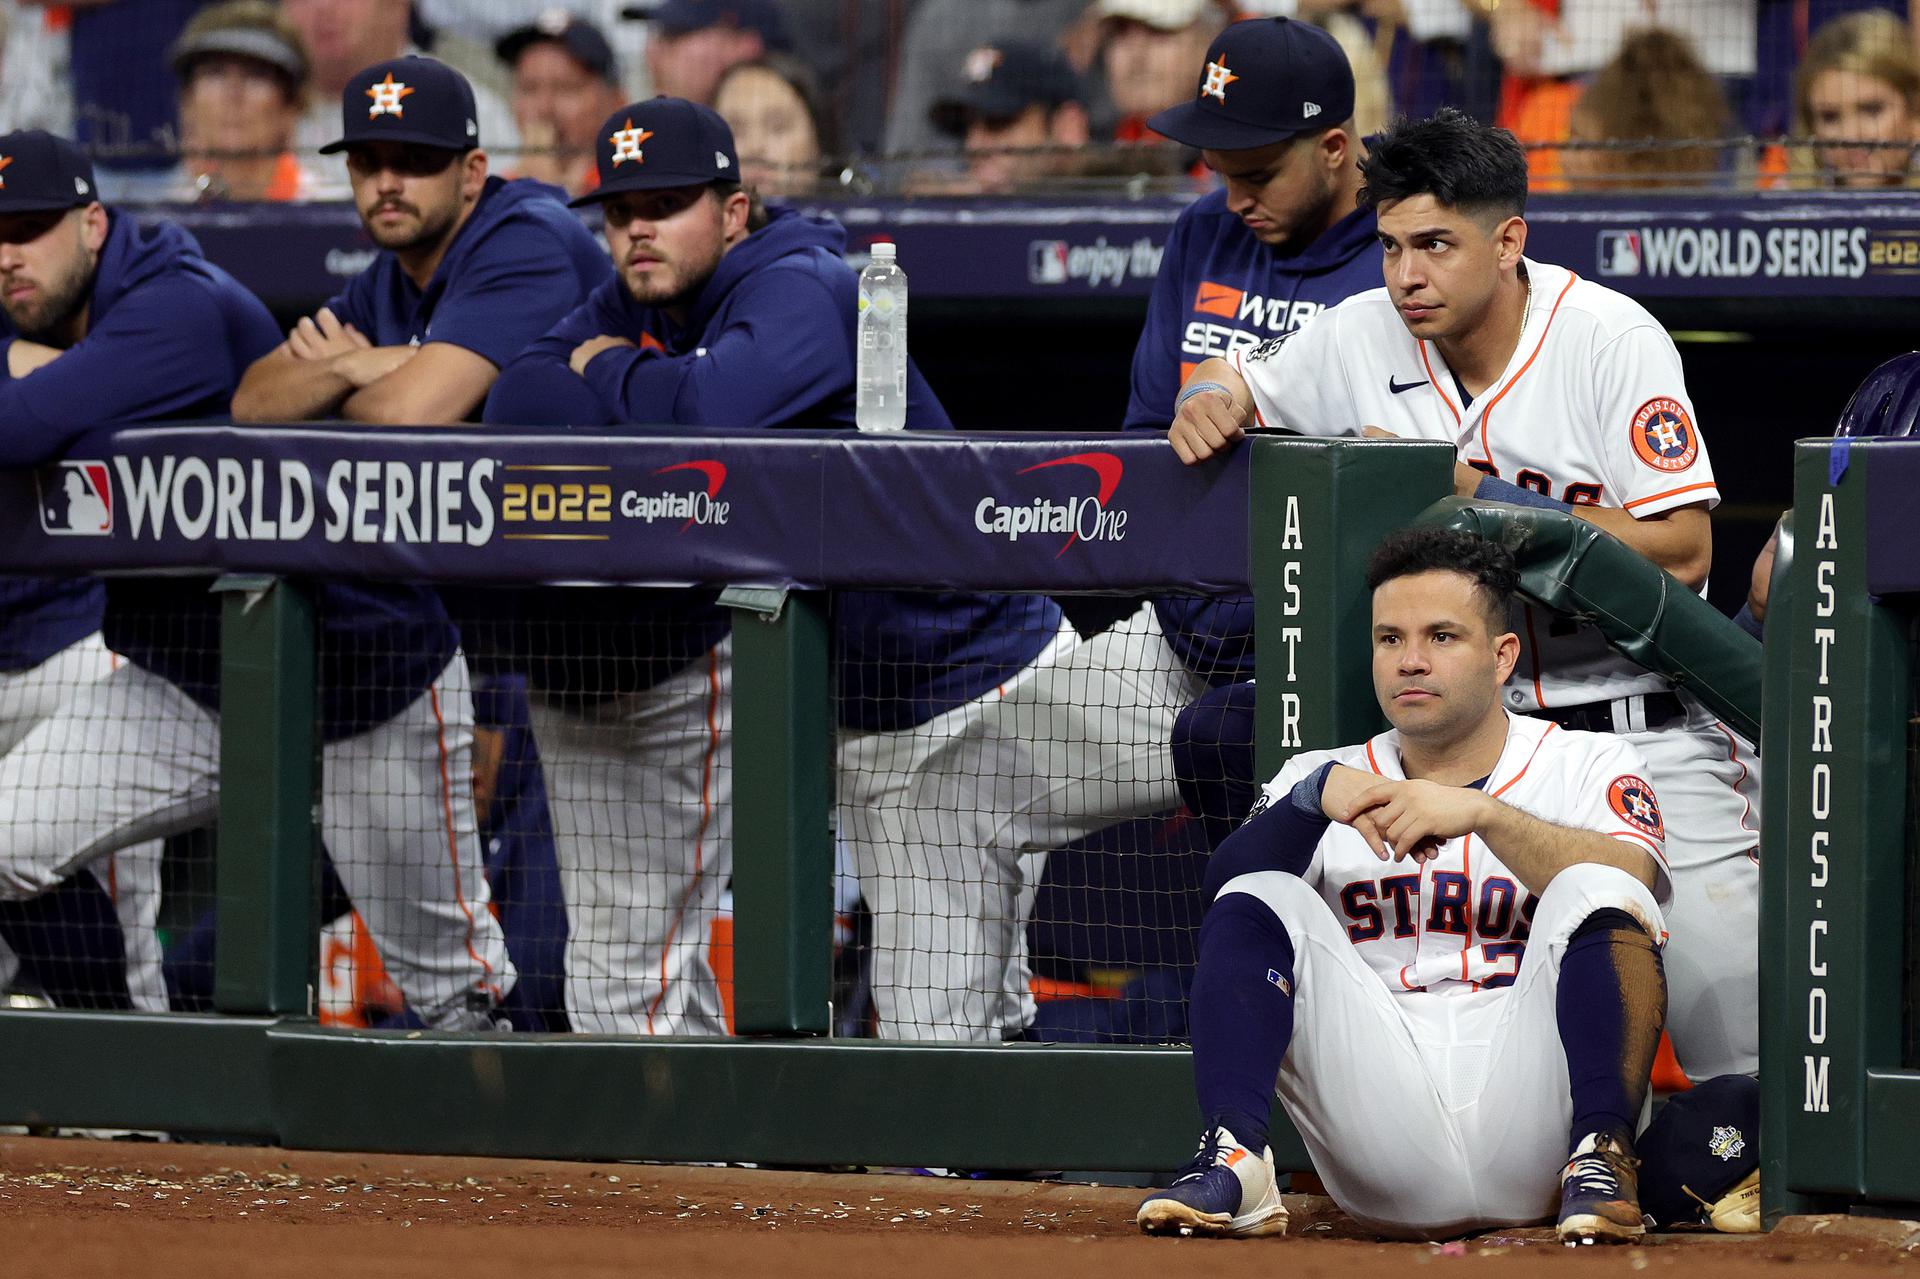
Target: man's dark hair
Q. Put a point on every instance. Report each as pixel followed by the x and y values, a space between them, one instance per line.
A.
pixel 757 215
pixel 1461 163
pixel 1429 549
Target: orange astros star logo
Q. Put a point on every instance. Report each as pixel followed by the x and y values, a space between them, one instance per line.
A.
pixel 386 98
pixel 626 144
pixel 1218 78
pixel 5 160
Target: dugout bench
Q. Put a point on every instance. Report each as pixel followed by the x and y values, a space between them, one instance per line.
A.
pixel 1293 519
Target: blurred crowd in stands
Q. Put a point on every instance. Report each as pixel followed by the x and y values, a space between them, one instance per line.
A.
pixel 183 99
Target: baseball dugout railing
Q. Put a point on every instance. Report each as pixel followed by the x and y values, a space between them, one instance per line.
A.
pixel 1293 519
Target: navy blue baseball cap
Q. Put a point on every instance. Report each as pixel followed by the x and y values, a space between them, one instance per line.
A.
pixel 574 35
pixel 662 142
pixel 413 99
pixel 999 81
pixel 1265 80
pixel 1702 1144
pixel 683 17
pixel 40 172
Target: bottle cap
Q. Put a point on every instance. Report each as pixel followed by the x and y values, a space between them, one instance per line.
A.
pixel 883 250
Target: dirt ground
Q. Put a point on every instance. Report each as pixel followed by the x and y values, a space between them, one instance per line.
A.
pixel 74 1207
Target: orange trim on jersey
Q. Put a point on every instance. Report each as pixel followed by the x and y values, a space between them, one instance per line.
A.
pixel 700 836
pixel 1403 978
pixel 1529 764
pixel 453 839
pixel 1435 382
pixel 1733 756
pixel 1466 868
pixel 1373 763
pixel 1659 854
pixel 1689 488
pixel 1533 656
pixel 1486 449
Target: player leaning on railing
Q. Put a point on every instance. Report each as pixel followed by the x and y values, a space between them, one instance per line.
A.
pixel 728 314
pixel 105 321
pixel 470 269
pixel 137 755
pixel 1561 394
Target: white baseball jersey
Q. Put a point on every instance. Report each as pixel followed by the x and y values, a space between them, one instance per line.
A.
pixel 1592 409
pixel 1460 921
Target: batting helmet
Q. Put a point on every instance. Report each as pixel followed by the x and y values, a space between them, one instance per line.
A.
pixel 1887 403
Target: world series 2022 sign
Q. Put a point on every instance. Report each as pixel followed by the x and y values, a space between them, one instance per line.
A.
pixel 934 511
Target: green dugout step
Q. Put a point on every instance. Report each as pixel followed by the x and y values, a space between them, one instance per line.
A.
pixel 813 1102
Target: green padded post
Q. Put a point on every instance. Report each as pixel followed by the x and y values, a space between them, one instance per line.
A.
pixel 269 797
pixel 1318 508
pixel 782 806
pixel 1832 861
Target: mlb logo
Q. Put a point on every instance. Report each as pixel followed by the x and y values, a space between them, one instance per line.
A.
pixel 1047 262
pixel 76 500
pixel 1619 253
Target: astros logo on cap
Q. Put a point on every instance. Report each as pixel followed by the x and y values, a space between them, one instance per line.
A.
pixel 626 143
pixel 386 98
pixel 981 64
pixel 1218 78
pixel 1663 436
pixel 5 160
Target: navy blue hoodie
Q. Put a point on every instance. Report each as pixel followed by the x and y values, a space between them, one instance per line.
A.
pixel 770 342
pixel 1220 289
pixel 168 335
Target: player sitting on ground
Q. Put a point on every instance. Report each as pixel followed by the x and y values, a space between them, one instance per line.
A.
pixel 1457 987
pixel 1560 394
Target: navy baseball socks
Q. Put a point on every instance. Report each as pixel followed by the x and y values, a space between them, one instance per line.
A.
pixel 1241 1017
pixel 1612 1003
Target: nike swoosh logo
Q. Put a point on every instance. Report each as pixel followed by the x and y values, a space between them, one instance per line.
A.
pixel 1399 388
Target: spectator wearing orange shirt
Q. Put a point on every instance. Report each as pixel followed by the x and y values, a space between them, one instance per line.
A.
pixel 1654 90
pixel 243 86
pixel 1549 47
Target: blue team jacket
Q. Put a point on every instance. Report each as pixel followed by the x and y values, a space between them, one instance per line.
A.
pixel 769 342
pixel 168 336
pixel 1220 289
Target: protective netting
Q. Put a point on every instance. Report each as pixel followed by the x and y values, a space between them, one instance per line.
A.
pixel 80 885
pixel 535 829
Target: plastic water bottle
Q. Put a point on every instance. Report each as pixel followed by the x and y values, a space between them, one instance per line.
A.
pixel 880 377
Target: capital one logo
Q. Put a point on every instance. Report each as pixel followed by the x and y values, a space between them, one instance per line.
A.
pixel 1082 519
pixel 699 507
